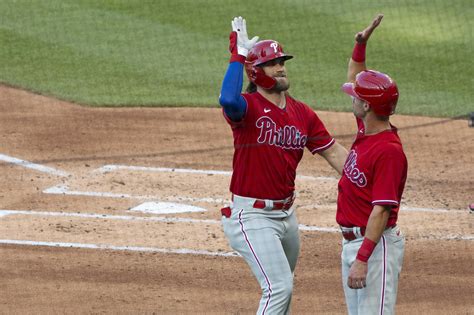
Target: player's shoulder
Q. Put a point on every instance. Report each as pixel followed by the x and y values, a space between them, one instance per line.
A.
pixel 254 96
pixel 391 148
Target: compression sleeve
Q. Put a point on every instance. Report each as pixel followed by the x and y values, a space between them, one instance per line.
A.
pixel 231 100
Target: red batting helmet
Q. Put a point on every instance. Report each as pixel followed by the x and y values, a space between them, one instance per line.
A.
pixel 262 52
pixel 375 88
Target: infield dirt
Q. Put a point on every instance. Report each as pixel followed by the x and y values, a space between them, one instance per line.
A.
pixel 437 273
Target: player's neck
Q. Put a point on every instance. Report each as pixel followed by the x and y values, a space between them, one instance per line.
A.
pixel 277 98
pixel 373 125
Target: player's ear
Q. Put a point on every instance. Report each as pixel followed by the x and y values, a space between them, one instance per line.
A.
pixel 366 107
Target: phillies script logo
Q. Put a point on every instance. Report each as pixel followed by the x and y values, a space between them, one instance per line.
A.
pixel 352 172
pixel 274 46
pixel 287 137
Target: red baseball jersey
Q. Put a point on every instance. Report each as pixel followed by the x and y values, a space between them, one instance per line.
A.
pixel 374 174
pixel 269 143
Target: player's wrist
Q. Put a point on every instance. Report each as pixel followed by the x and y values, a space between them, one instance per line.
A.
pixel 238 52
pixel 237 58
pixel 366 250
pixel 242 51
pixel 361 261
pixel 358 54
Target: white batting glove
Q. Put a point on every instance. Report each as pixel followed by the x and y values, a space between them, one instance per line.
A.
pixel 244 44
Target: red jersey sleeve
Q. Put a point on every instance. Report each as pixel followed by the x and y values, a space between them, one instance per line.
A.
pixel 319 138
pixel 390 172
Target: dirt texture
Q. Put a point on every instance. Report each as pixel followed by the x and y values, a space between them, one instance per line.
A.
pixel 71 241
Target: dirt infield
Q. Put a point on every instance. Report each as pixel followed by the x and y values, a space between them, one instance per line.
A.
pixel 71 240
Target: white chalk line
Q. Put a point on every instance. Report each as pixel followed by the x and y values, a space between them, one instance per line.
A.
pixel 415 209
pixel 64 190
pixel 104 216
pixel 114 167
pixel 449 237
pixel 4 213
pixel 30 165
pixel 117 167
pixel 154 207
pixel 119 248
pixel 402 208
pixel 139 249
pixel 302 227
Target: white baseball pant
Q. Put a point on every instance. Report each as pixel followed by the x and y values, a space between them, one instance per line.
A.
pixel 384 267
pixel 269 242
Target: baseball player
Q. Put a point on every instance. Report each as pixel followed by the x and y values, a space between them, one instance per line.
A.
pixel 270 130
pixel 370 190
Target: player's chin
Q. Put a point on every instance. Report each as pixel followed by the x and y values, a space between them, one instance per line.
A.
pixel 282 84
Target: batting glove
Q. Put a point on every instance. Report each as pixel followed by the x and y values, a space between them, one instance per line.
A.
pixel 243 43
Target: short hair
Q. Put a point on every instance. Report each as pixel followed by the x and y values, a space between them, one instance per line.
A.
pixel 251 88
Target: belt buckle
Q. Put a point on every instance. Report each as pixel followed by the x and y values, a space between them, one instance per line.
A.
pixel 269 205
pixel 264 204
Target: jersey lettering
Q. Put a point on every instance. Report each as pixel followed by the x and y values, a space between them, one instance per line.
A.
pixel 352 172
pixel 288 137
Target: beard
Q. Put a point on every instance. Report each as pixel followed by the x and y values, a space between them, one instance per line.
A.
pixel 357 108
pixel 282 84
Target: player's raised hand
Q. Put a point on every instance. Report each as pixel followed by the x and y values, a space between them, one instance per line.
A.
pixel 244 44
pixel 363 36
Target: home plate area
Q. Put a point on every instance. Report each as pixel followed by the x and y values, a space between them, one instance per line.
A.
pixel 177 211
pixel 165 208
pixel 200 194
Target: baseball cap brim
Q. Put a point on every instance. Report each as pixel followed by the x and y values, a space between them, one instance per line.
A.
pixel 348 88
pixel 270 58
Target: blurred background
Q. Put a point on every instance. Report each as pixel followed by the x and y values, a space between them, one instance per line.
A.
pixel 175 53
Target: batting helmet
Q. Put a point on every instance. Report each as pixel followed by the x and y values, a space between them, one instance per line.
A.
pixel 375 88
pixel 262 52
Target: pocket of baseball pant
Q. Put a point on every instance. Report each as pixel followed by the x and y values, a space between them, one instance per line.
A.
pixel 226 212
pixel 397 236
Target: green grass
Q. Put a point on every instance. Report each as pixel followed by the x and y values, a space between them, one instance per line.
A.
pixel 174 53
